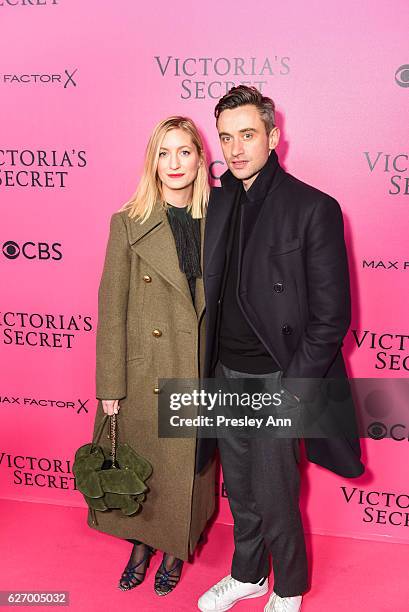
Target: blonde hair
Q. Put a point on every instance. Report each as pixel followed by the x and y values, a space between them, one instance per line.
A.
pixel 149 190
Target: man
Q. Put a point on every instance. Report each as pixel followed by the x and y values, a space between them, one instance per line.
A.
pixel 278 307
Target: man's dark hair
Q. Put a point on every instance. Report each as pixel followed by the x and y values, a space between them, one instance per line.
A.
pixel 242 95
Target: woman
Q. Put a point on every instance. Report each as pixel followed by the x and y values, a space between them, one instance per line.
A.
pixel 151 326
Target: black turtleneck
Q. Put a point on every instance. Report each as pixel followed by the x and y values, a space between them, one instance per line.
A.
pixel 239 347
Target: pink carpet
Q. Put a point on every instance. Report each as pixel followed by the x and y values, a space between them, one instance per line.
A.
pixel 46 547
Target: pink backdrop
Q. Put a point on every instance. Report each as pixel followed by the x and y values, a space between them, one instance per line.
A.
pixel 87 81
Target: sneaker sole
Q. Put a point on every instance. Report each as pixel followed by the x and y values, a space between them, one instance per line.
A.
pixel 299 609
pixel 260 593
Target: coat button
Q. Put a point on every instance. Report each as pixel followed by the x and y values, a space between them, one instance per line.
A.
pixel 157 333
pixel 156 390
pixel 286 330
pixel 147 278
pixel 278 287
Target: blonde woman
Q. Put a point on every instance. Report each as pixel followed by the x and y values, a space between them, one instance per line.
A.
pixel 151 326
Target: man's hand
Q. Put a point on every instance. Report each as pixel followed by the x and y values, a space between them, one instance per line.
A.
pixel 110 406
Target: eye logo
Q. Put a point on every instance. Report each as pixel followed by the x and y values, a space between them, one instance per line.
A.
pixel 402 75
pixel 11 250
pixel 377 431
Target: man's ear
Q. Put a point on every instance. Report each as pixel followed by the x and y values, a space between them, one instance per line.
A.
pixel 273 138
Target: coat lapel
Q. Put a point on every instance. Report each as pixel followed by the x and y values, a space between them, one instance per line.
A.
pixel 220 209
pixel 154 242
pixel 199 295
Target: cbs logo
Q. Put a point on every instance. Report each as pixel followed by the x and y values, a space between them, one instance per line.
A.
pixel 378 431
pixel 402 75
pixel 32 250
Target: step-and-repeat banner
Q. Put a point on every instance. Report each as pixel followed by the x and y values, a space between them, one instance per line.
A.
pixel 82 83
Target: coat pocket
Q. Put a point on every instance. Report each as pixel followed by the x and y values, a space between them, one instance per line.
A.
pixel 137 359
pixel 279 248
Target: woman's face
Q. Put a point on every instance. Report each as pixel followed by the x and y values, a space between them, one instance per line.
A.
pixel 179 160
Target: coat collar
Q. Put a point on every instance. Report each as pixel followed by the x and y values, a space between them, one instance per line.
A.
pixel 137 230
pixel 154 242
pixel 228 197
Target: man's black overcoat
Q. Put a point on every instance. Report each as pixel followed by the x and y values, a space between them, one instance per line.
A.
pixel 293 290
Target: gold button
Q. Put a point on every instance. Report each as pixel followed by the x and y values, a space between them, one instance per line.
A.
pixel 147 278
pixel 156 390
pixel 157 333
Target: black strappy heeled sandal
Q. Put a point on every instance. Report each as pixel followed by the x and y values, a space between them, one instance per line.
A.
pixel 166 580
pixel 131 577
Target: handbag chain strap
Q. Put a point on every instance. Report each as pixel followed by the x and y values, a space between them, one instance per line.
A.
pixel 112 435
pixel 113 439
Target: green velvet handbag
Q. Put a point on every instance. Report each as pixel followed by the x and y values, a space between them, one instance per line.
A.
pixel 111 478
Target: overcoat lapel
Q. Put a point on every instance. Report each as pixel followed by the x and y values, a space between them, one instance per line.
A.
pixel 199 294
pixel 154 242
pixel 217 230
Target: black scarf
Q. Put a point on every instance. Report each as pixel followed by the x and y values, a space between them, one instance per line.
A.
pixel 186 232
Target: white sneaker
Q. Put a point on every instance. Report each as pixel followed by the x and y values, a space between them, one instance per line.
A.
pixel 223 595
pixel 283 604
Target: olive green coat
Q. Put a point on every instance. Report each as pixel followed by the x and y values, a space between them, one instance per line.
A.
pixel 148 329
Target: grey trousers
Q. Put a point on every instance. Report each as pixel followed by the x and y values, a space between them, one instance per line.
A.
pixel 262 479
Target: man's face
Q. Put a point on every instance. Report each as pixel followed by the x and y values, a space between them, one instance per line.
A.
pixel 245 143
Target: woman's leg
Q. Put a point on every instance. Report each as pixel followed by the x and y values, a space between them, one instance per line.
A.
pixel 135 570
pixel 168 574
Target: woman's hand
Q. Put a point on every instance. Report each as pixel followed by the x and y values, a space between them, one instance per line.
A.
pixel 110 406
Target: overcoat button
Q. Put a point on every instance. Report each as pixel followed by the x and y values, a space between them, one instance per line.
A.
pixel 157 333
pixel 278 287
pixel 147 278
pixel 156 390
pixel 286 330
